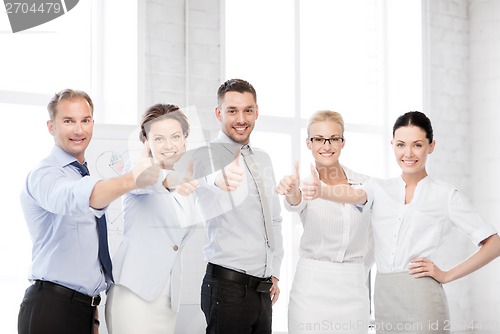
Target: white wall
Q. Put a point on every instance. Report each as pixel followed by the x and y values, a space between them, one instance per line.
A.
pixel 463 80
pixel 183 54
pixel 182 65
pixel 484 103
pixel 447 29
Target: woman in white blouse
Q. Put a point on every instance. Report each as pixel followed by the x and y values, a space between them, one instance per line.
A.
pixel 329 292
pixel 411 215
pixel 147 264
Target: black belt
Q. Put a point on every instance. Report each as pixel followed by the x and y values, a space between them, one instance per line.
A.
pixel 75 295
pixel 235 276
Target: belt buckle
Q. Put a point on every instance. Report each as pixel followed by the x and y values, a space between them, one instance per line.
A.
pixel 95 301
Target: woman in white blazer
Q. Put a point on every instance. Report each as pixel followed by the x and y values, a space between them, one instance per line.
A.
pixel 147 264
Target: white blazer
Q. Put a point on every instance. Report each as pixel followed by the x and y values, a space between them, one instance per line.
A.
pixel 153 239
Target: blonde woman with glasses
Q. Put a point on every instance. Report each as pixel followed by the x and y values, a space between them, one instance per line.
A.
pixel 411 216
pixel 329 292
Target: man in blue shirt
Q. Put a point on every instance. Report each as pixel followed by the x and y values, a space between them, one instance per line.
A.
pixel 61 204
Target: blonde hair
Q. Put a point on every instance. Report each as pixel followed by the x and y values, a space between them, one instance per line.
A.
pixel 326 115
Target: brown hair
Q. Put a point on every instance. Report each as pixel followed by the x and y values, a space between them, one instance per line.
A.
pixel 68 94
pixel 235 85
pixel 159 112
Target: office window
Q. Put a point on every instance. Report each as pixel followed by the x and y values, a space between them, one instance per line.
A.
pixel 80 50
pixel 362 58
pixel 264 37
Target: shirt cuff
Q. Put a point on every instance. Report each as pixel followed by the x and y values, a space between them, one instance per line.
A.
pixel 294 208
pixel 483 233
pixel 84 191
pixel 210 183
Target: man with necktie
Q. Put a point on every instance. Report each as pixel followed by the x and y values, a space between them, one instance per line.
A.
pixel 245 247
pixel 64 208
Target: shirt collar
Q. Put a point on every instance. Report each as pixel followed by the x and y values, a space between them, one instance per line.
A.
pixel 421 182
pixel 352 178
pixel 223 138
pixel 62 157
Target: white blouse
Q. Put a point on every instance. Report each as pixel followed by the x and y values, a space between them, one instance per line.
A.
pixel 403 232
pixel 335 232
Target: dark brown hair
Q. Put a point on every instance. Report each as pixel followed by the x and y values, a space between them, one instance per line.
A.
pixel 415 118
pixel 159 112
pixel 235 85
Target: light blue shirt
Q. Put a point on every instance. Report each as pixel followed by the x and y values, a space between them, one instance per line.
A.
pixel 56 205
pixel 237 237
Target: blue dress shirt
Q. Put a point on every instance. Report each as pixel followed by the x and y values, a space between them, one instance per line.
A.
pixel 56 205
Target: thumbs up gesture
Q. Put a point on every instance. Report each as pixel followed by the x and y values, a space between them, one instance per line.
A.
pixel 187 184
pixel 289 186
pixel 146 172
pixel 230 177
pixel 311 187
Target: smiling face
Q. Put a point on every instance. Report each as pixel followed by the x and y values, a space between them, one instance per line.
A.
pixel 411 147
pixel 326 154
pixel 72 127
pixel 237 113
pixel 167 141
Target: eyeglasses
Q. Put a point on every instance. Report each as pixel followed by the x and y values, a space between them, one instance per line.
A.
pixel 331 141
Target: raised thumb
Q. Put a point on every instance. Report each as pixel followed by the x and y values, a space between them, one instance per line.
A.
pixel 314 172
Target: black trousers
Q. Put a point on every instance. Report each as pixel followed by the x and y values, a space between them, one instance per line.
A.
pixel 44 311
pixel 233 308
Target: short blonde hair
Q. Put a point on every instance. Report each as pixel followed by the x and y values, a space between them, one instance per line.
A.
pixel 326 115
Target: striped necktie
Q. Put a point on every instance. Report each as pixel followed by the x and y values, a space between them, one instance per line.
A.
pixel 257 176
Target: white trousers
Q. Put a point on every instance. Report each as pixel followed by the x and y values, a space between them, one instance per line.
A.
pixel 127 313
pixel 328 297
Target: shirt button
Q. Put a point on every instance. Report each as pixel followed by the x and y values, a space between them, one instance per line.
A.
pixel 175 248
